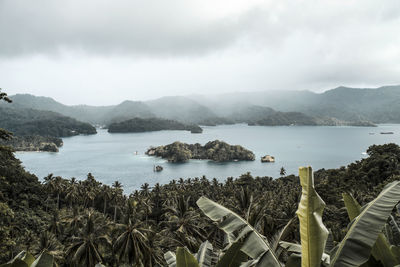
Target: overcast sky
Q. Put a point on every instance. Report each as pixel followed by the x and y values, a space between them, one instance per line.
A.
pixel 105 51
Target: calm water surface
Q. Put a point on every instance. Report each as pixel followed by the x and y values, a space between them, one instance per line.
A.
pixel 111 157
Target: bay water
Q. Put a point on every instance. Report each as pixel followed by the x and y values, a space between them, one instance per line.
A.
pixel 111 157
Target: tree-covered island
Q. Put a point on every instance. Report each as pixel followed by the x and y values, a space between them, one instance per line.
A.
pixel 213 150
pixel 137 125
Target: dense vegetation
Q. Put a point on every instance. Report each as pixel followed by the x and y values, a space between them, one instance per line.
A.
pixel 151 124
pixel 43 123
pixel 213 150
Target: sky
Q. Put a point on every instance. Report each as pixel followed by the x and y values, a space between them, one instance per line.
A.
pixel 102 52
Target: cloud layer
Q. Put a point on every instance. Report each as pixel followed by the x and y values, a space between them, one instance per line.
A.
pixel 144 49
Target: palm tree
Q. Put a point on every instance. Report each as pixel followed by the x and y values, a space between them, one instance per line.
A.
pixel 72 192
pixel 72 222
pixel 131 245
pixel 117 196
pixel 282 172
pixel 85 249
pixel 55 225
pixel 55 185
pixel 92 188
pixel 106 193
pixel 145 189
pixel 183 223
pixel 49 243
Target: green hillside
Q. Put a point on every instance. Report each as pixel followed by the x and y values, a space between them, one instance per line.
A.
pixel 43 123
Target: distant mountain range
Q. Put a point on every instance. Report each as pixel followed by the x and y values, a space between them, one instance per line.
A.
pixel 339 106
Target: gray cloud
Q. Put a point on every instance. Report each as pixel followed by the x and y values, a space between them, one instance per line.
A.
pixel 95 26
pixel 106 51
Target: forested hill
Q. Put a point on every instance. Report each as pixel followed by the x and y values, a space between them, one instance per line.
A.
pixel 44 123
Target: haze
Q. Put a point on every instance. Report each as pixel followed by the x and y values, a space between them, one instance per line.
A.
pixel 102 52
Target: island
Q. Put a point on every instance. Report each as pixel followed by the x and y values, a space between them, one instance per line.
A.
pixel 268 158
pixel 33 143
pixel 137 125
pixel 214 150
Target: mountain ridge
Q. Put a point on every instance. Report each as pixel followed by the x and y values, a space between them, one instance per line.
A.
pixel 347 104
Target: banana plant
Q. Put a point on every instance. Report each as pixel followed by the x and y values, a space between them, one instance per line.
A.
pixel 25 259
pixel 313 233
pixel 253 244
pixel 382 250
pixel 364 236
pixel 207 257
pixel 355 248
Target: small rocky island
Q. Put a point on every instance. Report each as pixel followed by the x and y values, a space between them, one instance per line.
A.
pixel 34 143
pixel 214 150
pixel 268 158
pixel 137 125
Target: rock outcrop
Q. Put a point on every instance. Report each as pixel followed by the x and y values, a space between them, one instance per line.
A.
pixel 268 158
pixel 215 150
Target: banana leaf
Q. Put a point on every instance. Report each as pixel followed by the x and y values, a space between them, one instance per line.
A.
pixel 15 263
pixel 28 258
pixel 254 244
pixel 18 261
pixel 170 258
pixel 330 245
pixel 381 250
pixel 233 256
pixel 205 256
pixel 356 246
pixel 313 233
pixel 185 259
pixel 44 260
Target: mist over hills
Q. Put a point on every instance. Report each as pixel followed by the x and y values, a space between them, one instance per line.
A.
pixel 342 105
pixel 378 105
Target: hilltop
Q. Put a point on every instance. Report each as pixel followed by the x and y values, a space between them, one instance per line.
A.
pixel 339 106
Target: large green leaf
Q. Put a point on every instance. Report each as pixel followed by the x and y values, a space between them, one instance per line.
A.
pixel 44 260
pixel 381 250
pixel 254 244
pixel 313 233
pixel 356 246
pixel 233 256
pixel 28 258
pixel 185 259
pixel 170 258
pixel 17 261
pixel 205 256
